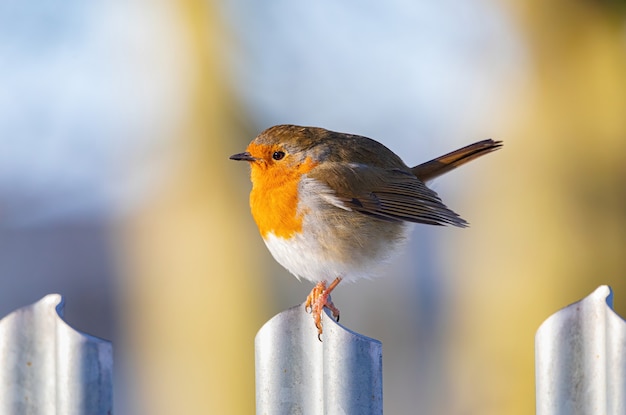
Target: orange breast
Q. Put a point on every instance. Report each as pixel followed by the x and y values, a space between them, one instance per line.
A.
pixel 274 197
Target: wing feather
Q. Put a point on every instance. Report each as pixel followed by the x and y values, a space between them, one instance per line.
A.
pixel 388 194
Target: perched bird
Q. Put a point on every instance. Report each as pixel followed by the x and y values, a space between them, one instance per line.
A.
pixel 332 206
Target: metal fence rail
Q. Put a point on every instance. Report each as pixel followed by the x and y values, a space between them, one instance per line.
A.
pixel 298 374
pixel 581 359
pixel 47 367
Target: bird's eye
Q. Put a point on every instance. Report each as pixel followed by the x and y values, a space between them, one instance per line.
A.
pixel 278 155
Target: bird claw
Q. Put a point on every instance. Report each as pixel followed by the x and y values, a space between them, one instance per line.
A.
pixel 317 300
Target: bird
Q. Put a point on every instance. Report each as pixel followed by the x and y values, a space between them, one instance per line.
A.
pixel 333 206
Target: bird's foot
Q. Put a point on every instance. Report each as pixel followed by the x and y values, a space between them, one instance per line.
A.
pixel 318 299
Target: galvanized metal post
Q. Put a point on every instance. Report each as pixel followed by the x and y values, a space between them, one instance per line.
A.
pixel 47 367
pixel 581 359
pixel 298 374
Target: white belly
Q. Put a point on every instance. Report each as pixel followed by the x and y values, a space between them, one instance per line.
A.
pixel 308 258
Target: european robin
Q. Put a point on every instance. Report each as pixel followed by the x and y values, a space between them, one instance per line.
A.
pixel 332 206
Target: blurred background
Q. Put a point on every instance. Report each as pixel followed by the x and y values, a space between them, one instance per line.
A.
pixel 117 119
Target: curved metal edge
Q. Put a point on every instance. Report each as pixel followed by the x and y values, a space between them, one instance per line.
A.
pixel 46 366
pixel 580 359
pixel 296 373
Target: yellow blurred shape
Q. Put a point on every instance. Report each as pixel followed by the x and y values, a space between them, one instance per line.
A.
pixel 189 304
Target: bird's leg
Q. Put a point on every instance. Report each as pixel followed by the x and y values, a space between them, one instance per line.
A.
pixel 320 298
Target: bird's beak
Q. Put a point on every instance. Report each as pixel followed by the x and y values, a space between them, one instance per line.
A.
pixel 243 157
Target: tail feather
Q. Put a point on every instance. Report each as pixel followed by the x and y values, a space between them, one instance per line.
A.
pixel 441 165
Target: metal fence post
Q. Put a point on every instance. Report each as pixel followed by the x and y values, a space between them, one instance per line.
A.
pixel 581 359
pixel 297 374
pixel 47 367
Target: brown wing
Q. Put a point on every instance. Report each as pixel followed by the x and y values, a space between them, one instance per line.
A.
pixel 388 194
